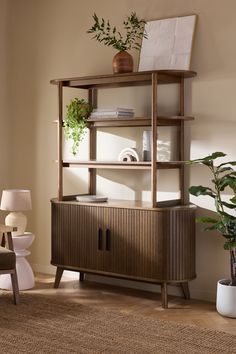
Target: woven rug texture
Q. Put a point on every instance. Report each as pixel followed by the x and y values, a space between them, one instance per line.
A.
pixel 43 324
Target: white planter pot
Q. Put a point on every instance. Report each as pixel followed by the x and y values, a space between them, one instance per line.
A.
pixel 226 298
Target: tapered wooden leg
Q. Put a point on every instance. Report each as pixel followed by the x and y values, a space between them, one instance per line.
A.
pixel 58 277
pixel 185 290
pixel 15 288
pixel 81 276
pixel 164 295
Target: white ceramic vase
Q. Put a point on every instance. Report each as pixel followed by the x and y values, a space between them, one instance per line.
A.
pixel 16 219
pixel 226 298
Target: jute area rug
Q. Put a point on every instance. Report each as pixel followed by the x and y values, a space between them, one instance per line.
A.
pixel 43 324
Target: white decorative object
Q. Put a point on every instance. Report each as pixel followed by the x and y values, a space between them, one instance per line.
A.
pixel 16 201
pixel 226 299
pixel 147 145
pixel 168 44
pixel 163 150
pixel 166 147
pixel 24 271
pixel 129 154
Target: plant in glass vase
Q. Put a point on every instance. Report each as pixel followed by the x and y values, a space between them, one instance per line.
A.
pixel 223 176
pixel 134 31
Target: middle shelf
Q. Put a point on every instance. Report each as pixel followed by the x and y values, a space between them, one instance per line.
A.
pixel 110 122
pixel 134 165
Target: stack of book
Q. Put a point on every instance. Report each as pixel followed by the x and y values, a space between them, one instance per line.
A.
pixel 112 113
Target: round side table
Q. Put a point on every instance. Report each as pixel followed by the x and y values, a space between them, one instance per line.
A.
pixel 24 271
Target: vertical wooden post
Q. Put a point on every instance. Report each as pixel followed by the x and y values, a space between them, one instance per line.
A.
pixel 154 141
pixel 58 276
pixel 181 144
pixel 185 289
pixel 164 295
pixel 92 98
pixel 60 157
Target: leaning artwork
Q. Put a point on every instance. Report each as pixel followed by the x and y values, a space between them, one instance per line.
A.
pixel 168 44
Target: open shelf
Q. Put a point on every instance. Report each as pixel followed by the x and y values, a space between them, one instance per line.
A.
pixel 128 79
pixel 134 165
pixel 136 121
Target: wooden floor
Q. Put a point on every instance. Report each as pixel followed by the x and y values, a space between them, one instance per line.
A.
pixel 200 313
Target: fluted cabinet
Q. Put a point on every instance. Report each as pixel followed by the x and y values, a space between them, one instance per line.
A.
pixel 151 242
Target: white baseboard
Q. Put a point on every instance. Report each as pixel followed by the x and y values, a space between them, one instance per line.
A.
pixel 196 293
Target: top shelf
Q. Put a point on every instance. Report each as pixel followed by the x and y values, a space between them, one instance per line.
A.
pixel 128 79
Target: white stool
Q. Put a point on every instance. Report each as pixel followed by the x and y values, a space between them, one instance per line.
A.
pixel 24 271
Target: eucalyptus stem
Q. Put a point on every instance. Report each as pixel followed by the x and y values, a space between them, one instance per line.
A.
pixel 134 32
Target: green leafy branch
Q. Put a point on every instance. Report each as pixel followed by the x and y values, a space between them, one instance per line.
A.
pixel 223 176
pixel 110 36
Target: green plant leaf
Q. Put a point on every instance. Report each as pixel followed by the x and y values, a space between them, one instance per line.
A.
pixel 219 226
pixel 233 199
pixel 200 190
pixel 109 36
pixel 207 159
pixel 227 217
pixel 223 169
pixel 206 220
pixel 229 245
pixel 232 163
pixel 228 205
pixel 227 181
pixel 75 121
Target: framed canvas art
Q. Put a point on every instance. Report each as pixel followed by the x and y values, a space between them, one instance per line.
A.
pixel 168 44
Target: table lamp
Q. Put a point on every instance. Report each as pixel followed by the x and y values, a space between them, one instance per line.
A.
pixel 16 201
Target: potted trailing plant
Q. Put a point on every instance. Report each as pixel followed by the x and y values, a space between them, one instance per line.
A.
pixel 223 176
pixel 75 122
pixel 109 35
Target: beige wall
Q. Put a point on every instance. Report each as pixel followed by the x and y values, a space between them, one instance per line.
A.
pixel 5 118
pixel 47 39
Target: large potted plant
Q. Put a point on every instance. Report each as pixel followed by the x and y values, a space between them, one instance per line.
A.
pixel 223 176
pixel 75 122
pixel 133 32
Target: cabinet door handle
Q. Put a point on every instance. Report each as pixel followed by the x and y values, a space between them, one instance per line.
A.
pixel 108 240
pixel 99 239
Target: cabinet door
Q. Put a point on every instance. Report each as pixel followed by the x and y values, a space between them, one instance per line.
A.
pixel 75 236
pixel 135 248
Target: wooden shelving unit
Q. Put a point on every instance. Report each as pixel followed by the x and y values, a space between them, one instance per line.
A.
pixel 134 165
pixel 152 242
pixel 137 121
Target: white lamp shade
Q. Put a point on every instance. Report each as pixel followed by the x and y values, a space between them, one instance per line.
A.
pixel 16 200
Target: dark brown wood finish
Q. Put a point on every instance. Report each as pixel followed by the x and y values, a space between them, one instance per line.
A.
pixel 59 144
pixel 181 145
pixel 150 242
pixel 81 276
pixel 58 276
pixel 185 289
pixel 128 79
pixel 136 121
pixel 147 245
pixel 92 98
pixel 164 295
pixel 154 140
pixel 135 165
